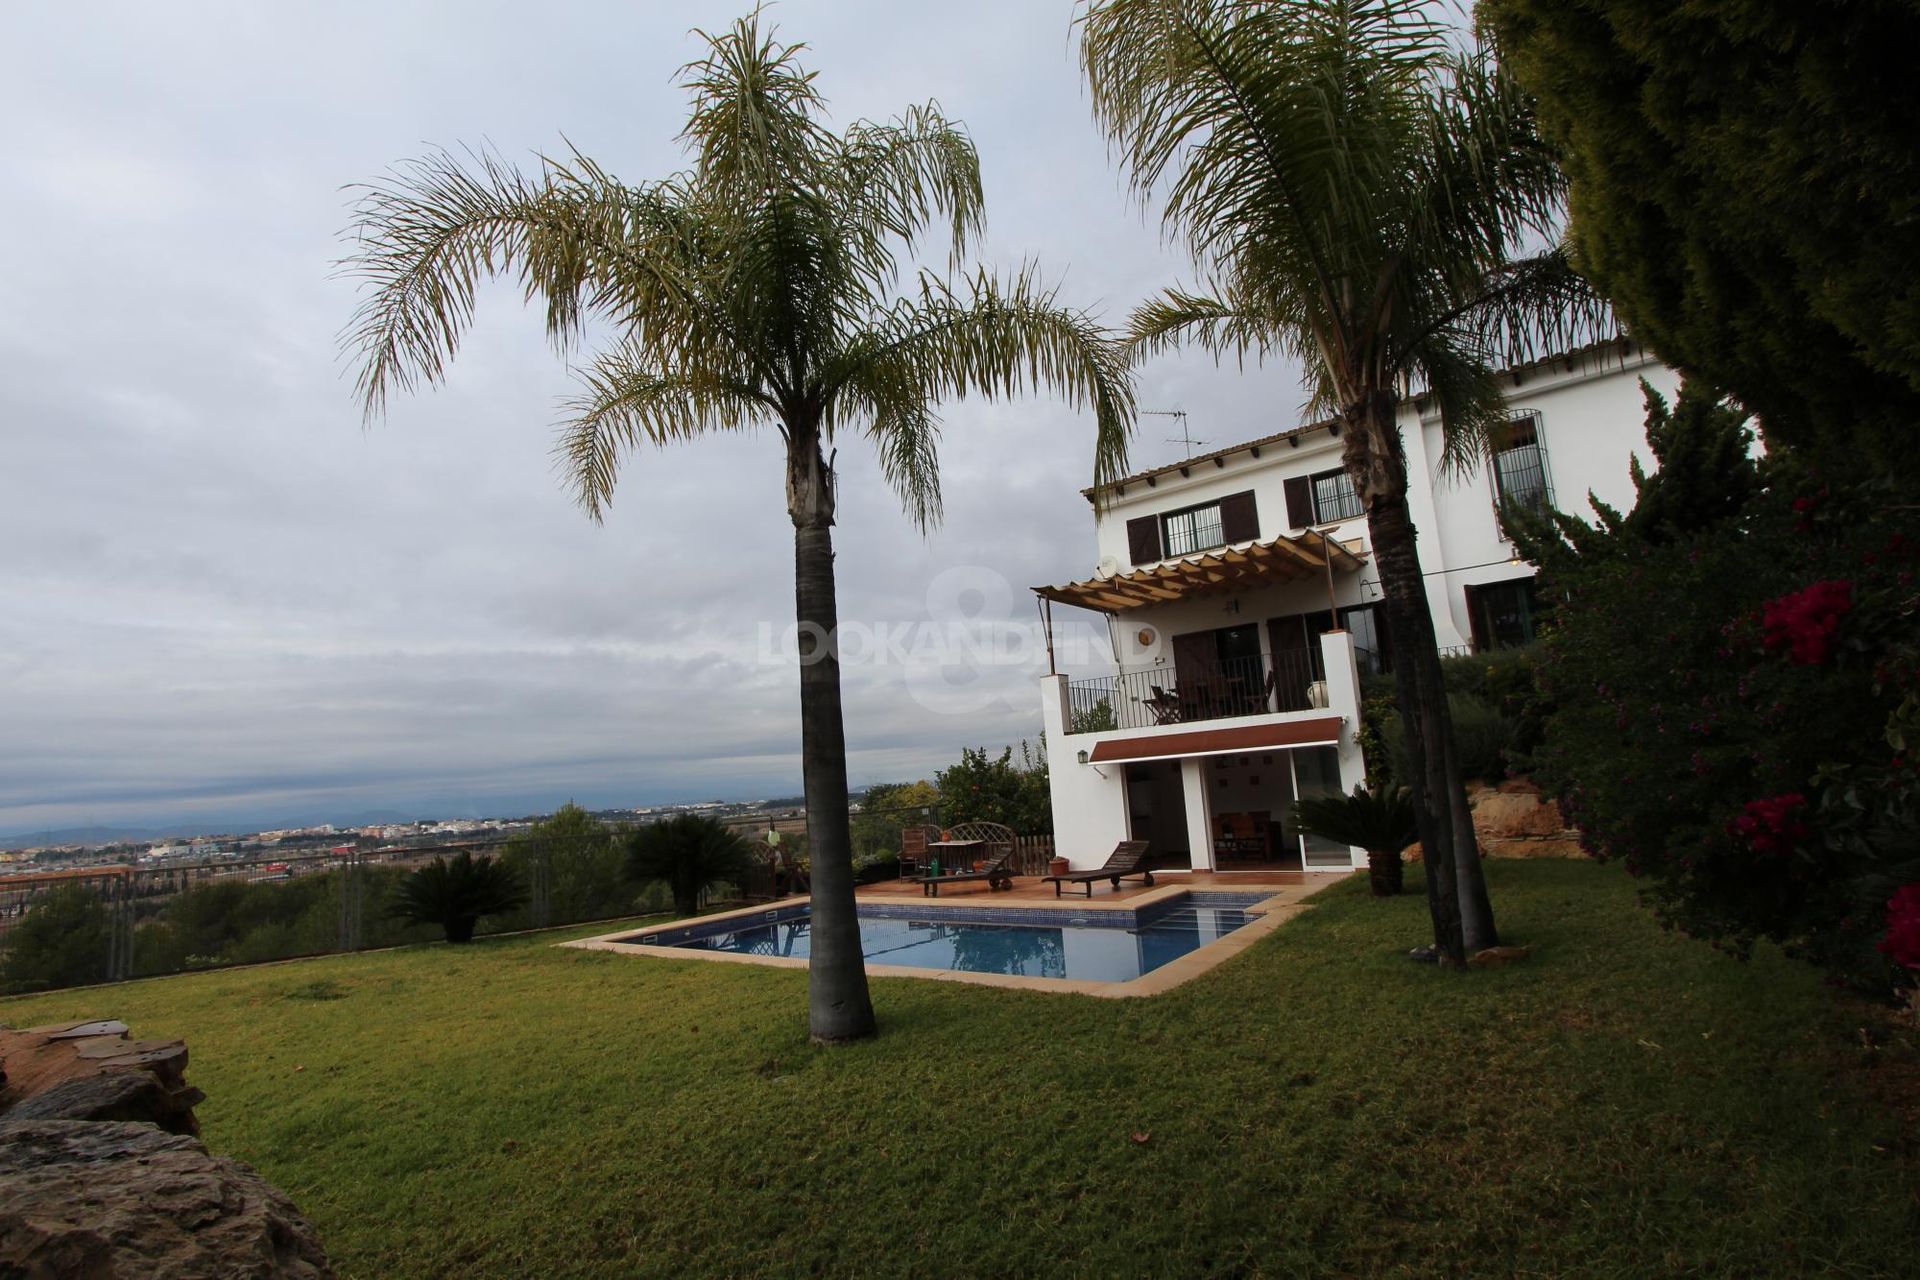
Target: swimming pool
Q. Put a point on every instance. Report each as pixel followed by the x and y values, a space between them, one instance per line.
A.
pixel 1086 946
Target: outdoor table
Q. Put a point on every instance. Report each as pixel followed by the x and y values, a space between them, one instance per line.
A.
pixel 955 855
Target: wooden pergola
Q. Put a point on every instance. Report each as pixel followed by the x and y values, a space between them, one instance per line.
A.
pixel 1288 558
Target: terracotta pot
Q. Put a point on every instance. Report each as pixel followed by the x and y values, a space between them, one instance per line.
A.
pixel 1058 867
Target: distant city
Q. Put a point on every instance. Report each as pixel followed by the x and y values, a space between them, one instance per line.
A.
pixel 63 850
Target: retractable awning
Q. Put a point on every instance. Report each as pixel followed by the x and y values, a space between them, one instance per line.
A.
pixel 1288 558
pixel 1318 731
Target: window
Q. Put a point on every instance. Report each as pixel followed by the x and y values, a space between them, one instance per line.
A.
pixel 1369 631
pixel 1520 468
pixel 1333 497
pixel 1195 529
pixel 1503 614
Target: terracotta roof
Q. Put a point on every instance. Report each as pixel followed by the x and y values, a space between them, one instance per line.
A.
pixel 1320 731
pixel 1287 558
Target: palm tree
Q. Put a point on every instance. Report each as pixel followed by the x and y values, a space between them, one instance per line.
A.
pixel 691 852
pixel 1357 193
pixel 1381 822
pixel 456 893
pixel 759 286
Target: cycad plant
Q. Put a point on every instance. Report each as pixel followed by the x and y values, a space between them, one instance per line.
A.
pixel 1381 822
pixel 759 287
pixel 456 893
pixel 1361 194
pixel 691 853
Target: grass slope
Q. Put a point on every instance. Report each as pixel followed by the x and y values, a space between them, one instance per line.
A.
pixel 1626 1103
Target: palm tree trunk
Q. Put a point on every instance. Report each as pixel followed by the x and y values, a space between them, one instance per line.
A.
pixel 1456 893
pixel 839 1008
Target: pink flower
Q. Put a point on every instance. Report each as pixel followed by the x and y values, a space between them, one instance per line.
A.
pixel 1771 826
pixel 1805 621
pixel 1903 927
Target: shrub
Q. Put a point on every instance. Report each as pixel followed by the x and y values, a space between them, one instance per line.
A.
pixel 1732 706
pixel 1483 739
pixel 456 893
pixel 690 853
pixel 1381 822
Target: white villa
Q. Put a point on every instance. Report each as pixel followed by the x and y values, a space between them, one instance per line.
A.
pixel 1240 609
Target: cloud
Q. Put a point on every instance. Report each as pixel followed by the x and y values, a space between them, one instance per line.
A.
pixel 221 599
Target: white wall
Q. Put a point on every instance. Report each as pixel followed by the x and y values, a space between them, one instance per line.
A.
pixel 1089 801
pixel 1592 422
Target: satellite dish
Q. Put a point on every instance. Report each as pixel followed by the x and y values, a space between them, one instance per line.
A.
pixel 1107 567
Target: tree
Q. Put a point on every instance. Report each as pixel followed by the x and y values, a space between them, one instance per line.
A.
pixel 456 893
pixel 691 853
pixel 60 942
pixel 1356 192
pixel 577 859
pixel 1381 822
pixel 983 788
pixel 1744 190
pixel 884 810
pixel 757 287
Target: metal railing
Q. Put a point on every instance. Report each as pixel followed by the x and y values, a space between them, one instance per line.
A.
pixel 1223 689
pixel 63 927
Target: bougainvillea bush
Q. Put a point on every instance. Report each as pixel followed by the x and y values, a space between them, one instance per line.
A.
pixel 1730 695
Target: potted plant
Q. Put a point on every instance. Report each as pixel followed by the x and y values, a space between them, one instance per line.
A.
pixel 1059 866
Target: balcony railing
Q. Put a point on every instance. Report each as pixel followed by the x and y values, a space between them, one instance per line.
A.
pixel 1223 690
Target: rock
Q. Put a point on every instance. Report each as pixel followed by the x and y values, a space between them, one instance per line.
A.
pixel 134 1095
pixel 1503 815
pixel 40 1060
pixel 110 1199
pixel 1498 957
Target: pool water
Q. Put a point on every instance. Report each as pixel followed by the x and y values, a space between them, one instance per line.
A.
pixel 1091 951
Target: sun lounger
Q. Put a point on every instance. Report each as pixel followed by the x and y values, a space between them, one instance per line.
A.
pixel 1125 862
pixel 993 871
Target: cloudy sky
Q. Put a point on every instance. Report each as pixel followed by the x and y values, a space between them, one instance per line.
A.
pixel 223 602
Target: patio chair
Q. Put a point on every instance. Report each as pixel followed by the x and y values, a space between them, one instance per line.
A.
pixel 799 879
pixel 1125 863
pixel 913 849
pixel 993 871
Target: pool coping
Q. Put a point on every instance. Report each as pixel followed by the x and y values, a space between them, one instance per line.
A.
pixel 1282 904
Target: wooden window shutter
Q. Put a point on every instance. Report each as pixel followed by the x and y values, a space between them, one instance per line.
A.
pixel 1299 501
pixel 1143 539
pixel 1239 518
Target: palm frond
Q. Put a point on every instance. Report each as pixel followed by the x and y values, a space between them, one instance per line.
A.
pixel 753 127
pixel 1223 322
pixel 624 401
pixel 430 232
pixel 992 338
pixel 1374 821
pixel 898 177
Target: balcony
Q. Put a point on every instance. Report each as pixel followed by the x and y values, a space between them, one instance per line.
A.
pixel 1223 690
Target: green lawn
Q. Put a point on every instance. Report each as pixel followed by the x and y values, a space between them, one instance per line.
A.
pixel 1626 1103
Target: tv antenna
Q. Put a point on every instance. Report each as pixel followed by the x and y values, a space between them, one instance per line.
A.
pixel 1185 438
